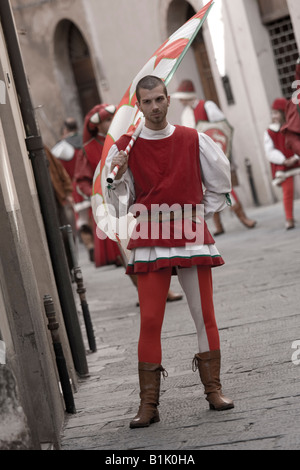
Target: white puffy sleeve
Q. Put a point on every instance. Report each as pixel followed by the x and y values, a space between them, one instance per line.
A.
pixel 213 112
pixel 216 176
pixel 272 154
pixel 121 193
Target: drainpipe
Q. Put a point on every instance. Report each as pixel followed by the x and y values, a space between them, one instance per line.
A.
pixel 45 192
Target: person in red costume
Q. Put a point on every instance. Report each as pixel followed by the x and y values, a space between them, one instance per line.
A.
pixel 196 114
pixel 67 151
pixel 281 158
pixel 103 251
pixel 166 166
pixel 291 127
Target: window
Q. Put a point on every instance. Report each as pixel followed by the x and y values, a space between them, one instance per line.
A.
pixel 285 52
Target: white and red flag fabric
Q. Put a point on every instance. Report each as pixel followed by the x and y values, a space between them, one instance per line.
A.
pixel 221 132
pixel 163 64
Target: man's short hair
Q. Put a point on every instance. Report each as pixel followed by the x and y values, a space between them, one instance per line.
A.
pixel 148 83
pixel 71 124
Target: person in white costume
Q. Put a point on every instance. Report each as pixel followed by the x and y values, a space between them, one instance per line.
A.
pixel 196 114
pixel 170 165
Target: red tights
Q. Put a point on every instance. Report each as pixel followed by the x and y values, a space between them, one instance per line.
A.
pixel 153 290
pixel 288 197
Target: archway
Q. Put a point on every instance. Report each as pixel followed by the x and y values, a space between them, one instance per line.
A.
pixel 75 71
pixel 82 69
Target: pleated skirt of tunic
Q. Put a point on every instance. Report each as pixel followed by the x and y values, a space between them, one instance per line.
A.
pixel 147 259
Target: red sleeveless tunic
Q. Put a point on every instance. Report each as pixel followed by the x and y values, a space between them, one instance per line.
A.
pixel 200 113
pixel 279 143
pixel 167 171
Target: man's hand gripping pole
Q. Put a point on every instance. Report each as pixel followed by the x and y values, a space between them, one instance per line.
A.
pixel 112 175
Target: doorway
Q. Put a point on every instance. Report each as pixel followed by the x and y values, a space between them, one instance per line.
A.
pixel 202 62
pixel 82 69
pixel 75 71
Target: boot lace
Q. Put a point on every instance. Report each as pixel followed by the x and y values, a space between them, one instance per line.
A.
pixel 195 364
pixel 163 371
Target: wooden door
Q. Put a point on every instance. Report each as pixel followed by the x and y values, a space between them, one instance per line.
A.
pixel 205 73
pixel 83 70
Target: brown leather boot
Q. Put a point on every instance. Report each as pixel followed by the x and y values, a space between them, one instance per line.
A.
pixel 209 364
pixel 87 238
pixel 149 378
pixel 218 224
pixel 239 212
pixel 289 224
pixel 173 296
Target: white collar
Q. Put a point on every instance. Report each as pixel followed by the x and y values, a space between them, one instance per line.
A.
pixel 275 127
pixel 157 134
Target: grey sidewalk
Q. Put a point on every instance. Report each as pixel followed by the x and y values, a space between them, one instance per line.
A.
pixel 257 303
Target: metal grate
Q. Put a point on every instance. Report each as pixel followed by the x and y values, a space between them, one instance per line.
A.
pixel 285 52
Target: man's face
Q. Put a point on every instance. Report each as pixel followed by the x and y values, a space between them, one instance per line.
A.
pixel 154 105
pixel 277 117
pixel 104 125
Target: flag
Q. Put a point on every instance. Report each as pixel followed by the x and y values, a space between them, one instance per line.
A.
pixel 221 132
pixel 163 64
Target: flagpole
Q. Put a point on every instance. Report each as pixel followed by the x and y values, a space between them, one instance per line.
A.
pixel 111 177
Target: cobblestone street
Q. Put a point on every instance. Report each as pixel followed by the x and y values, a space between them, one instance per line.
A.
pixel 257 303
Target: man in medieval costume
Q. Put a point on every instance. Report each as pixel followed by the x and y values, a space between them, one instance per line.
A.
pixel 66 150
pixel 284 162
pixel 167 166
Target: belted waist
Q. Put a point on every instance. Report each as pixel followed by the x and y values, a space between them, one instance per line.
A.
pixel 166 216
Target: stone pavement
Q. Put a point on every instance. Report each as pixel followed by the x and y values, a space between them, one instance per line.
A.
pixel 257 303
